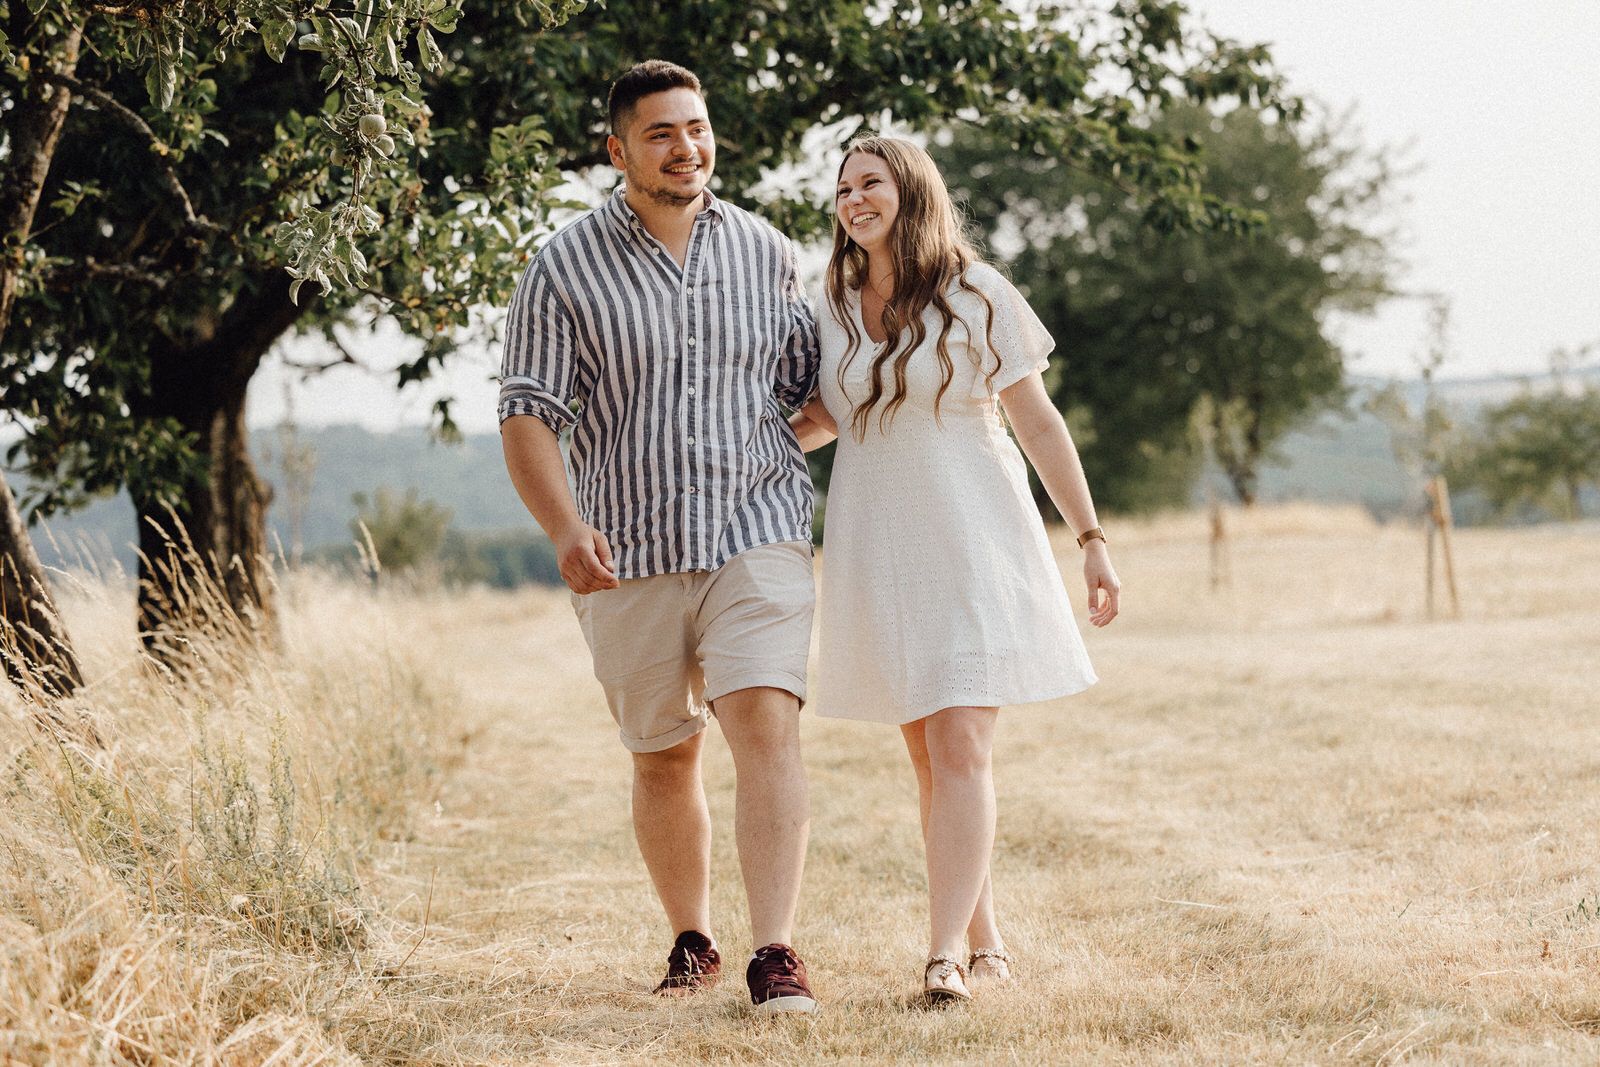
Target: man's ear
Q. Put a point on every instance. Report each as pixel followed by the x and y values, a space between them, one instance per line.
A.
pixel 614 150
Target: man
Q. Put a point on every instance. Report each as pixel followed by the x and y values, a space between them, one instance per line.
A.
pixel 676 323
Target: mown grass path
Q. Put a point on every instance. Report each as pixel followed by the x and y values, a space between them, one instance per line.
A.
pixel 1296 822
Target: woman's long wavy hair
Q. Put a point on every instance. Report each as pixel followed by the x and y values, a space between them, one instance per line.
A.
pixel 930 252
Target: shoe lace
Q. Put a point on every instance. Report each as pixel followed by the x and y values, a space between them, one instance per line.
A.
pixel 681 959
pixel 780 962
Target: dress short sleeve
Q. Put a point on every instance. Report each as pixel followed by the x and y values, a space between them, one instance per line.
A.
pixel 1023 343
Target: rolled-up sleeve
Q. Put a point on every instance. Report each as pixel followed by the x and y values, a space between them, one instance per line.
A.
pixel 801 355
pixel 539 365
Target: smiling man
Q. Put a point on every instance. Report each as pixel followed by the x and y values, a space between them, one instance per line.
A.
pixel 675 325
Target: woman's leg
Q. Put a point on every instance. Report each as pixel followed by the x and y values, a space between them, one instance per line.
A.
pixel 983 931
pixel 917 747
pixel 960 823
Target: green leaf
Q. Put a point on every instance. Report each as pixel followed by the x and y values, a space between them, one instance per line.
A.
pixel 445 21
pixel 432 57
pixel 161 81
pixel 275 37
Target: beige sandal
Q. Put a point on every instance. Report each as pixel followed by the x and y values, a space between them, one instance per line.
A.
pixel 999 964
pixel 944 981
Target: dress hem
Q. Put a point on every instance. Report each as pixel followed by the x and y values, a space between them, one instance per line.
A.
pixel 905 719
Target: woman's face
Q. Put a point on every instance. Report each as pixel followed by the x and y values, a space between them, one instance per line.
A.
pixel 868 201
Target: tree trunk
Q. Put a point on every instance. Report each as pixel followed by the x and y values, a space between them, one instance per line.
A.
pixel 203 557
pixel 35 647
pixel 33 129
pixel 38 656
pixel 1234 456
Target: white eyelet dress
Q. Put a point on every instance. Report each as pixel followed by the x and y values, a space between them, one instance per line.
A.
pixel 938 586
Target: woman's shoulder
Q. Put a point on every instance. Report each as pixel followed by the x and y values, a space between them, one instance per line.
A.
pixel 984 277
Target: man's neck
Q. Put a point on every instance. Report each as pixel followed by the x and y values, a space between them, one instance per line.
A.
pixel 667 223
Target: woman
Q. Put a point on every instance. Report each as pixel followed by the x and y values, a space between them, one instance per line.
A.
pixel 940 598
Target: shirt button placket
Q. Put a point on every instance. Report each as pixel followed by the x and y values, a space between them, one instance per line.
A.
pixel 691 413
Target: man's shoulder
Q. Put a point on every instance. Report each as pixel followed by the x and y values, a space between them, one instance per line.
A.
pixel 574 236
pixel 749 222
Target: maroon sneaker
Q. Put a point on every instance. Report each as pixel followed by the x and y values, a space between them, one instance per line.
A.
pixel 777 981
pixel 694 964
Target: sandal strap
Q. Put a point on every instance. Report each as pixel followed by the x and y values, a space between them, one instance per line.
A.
pixel 989 954
pixel 943 960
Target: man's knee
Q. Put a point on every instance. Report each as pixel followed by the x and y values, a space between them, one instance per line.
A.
pixel 677 766
pixel 760 723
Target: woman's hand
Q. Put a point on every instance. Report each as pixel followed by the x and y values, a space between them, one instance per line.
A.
pixel 1104 589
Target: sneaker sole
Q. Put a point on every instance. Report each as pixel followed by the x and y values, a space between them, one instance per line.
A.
pixel 787 1006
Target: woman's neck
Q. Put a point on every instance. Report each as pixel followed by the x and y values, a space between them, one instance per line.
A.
pixel 880 274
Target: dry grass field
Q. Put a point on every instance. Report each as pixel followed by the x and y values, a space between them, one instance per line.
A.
pixel 1296 822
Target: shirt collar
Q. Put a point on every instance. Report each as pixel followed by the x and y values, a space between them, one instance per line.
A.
pixel 623 215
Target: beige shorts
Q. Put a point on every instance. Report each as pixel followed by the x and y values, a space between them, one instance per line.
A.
pixel 666 646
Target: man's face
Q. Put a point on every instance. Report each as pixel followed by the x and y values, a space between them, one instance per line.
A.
pixel 666 149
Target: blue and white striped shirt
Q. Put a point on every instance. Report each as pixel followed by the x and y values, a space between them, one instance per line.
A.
pixel 680 452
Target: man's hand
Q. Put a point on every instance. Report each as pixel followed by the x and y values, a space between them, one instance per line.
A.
pixel 585 560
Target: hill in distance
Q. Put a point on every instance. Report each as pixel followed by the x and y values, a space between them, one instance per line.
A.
pixel 1337 457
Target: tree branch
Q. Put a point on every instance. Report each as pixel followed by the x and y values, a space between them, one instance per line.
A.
pixel 159 148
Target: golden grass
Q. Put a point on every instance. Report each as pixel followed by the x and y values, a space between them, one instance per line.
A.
pixel 1296 822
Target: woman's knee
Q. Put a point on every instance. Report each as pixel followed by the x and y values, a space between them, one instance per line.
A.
pixel 960 742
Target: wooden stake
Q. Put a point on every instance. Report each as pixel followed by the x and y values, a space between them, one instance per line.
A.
pixel 1440 524
pixel 1441 496
pixel 1433 531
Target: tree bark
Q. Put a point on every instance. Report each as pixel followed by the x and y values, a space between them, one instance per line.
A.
pixel 35 647
pixel 203 557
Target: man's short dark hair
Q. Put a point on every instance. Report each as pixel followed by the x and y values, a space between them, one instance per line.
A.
pixel 651 76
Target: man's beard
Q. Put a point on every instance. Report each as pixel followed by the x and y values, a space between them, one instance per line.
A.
pixel 670 197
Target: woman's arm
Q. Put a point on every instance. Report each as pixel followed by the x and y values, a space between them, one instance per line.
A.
pixel 1045 441
pixel 813 426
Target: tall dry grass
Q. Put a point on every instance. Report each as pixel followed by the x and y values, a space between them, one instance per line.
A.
pixel 1296 822
pixel 189 858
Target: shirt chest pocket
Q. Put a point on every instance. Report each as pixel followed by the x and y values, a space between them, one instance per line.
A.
pixel 751 323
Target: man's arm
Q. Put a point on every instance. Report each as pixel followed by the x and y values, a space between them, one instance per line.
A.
pixel 533 458
pixel 796 378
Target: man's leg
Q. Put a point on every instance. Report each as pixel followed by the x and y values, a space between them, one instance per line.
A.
pixel 772 806
pixel 673 828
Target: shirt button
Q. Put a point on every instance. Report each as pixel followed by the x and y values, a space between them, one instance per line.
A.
pixel 692 489
pixel 691 342
pixel 691 390
pixel 691 440
pixel 691 290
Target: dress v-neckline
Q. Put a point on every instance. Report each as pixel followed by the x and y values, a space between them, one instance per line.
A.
pixel 861 319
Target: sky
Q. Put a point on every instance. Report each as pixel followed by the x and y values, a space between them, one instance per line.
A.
pixel 1493 107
